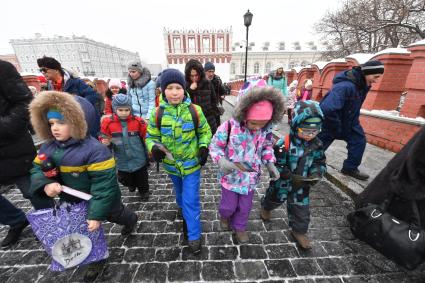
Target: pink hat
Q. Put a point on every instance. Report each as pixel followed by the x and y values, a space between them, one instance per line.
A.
pixel 114 82
pixel 262 110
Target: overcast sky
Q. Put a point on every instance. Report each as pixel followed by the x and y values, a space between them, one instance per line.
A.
pixel 138 25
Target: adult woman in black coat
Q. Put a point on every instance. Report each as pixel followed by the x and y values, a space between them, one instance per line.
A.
pixel 201 92
pixel 404 176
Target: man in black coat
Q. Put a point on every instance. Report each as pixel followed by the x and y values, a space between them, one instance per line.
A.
pixel 219 90
pixel 17 149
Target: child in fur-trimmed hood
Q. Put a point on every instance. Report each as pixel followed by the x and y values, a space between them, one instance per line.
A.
pixel 82 162
pixel 240 146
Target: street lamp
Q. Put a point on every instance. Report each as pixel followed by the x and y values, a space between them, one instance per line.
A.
pixel 247 19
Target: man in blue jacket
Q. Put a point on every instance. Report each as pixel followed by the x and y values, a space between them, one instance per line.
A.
pixel 60 79
pixel 341 107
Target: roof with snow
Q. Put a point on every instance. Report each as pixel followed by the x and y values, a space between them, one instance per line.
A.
pixel 420 42
pixel 397 50
pixel 361 58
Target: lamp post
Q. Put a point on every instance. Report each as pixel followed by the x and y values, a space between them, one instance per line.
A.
pixel 247 19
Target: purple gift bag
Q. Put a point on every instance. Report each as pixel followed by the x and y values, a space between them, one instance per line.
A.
pixel 63 233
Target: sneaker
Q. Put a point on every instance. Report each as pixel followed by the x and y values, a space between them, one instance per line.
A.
pixel 224 223
pixel 355 174
pixel 144 194
pixel 242 237
pixel 128 229
pixel 93 271
pixel 302 240
pixel 14 233
pixel 132 189
pixel 195 246
pixel 266 215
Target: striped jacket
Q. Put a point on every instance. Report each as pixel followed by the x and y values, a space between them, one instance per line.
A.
pixel 85 165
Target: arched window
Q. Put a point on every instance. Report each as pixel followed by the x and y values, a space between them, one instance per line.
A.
pixel 268 67
pixel 233 68
pixel 256 68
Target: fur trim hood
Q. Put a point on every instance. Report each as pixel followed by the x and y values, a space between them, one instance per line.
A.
pixel 193 64
pixel 257 94
pixel 67 106
pixel 140 82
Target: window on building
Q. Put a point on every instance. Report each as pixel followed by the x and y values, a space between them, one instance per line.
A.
pixel 304 63
pixel 192 46
pixel 206 44
pixel 233 68
pixel 268 67
pixel 256 68
pixel 177 43
pixel 220 44
pixel 242 68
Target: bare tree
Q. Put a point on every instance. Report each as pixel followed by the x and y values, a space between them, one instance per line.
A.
pixel 369 26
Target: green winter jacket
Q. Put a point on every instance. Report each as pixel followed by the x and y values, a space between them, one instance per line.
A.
pixel 177 134
pixel 85 165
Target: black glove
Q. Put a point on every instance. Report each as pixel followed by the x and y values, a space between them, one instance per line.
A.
pixel 203 155
pixel 286 173
pixel 157 154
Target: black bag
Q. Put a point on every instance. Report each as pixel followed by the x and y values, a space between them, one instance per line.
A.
pixel 398 240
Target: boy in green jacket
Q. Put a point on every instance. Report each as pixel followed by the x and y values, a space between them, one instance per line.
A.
pixel 182 144
pixel 82 163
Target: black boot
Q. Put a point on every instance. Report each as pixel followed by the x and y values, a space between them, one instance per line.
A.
pixel 93 271
pixel 128 229
pixel 14 233
pixel 195 246
pixel 185 230
pixel 144 194
pixel 355 174
pixel 179 213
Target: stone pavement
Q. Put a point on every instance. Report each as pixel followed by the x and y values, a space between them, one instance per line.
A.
pixel 156 253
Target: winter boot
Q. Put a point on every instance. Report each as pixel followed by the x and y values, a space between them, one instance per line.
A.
pixel 266 215
pixel 195 246
pixel 179 213
pixel 355 174
pixel 185 236
pixel 302 240
pixel 93 271
pixel 224 223
pixel 242 237
pixel 144 194
pixel 14 233
pixel 128 229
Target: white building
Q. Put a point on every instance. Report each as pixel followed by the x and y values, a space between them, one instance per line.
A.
pixel 77 53
pixel 212 45
pixel 264 58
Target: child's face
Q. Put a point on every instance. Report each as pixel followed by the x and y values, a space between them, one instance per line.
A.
pixel 255 125
pixel 307 134
pixel 123 112
pixel 60 130
pixel 114 89
pixel 174 93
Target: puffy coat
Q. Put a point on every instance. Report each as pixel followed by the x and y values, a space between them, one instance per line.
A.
pixel 244 145
pixel 16 145
pixel 178 135
pixel 204 95
pixel 142 92
pixel 279 83
pixel 341 106
pixel 127 141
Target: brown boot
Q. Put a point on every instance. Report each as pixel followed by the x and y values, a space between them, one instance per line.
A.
pixel 302 240
pixel 242 237
pixel 224 223
pixel 266 215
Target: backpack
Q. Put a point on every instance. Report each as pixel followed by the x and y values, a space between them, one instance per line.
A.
pixel 193 112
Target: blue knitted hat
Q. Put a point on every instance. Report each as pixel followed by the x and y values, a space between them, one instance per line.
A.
pixel 170 76
pixel 121 100
pixel 209 66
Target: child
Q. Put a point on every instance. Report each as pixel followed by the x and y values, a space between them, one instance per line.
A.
pixel 292 98
pixel 306 91
pixel 301 163
pixel 239 147
pixel 83 163
pixel 175 133
pixel 114 89
pixel 127 133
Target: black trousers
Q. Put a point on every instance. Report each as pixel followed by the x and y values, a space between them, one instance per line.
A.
pixel 138 179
